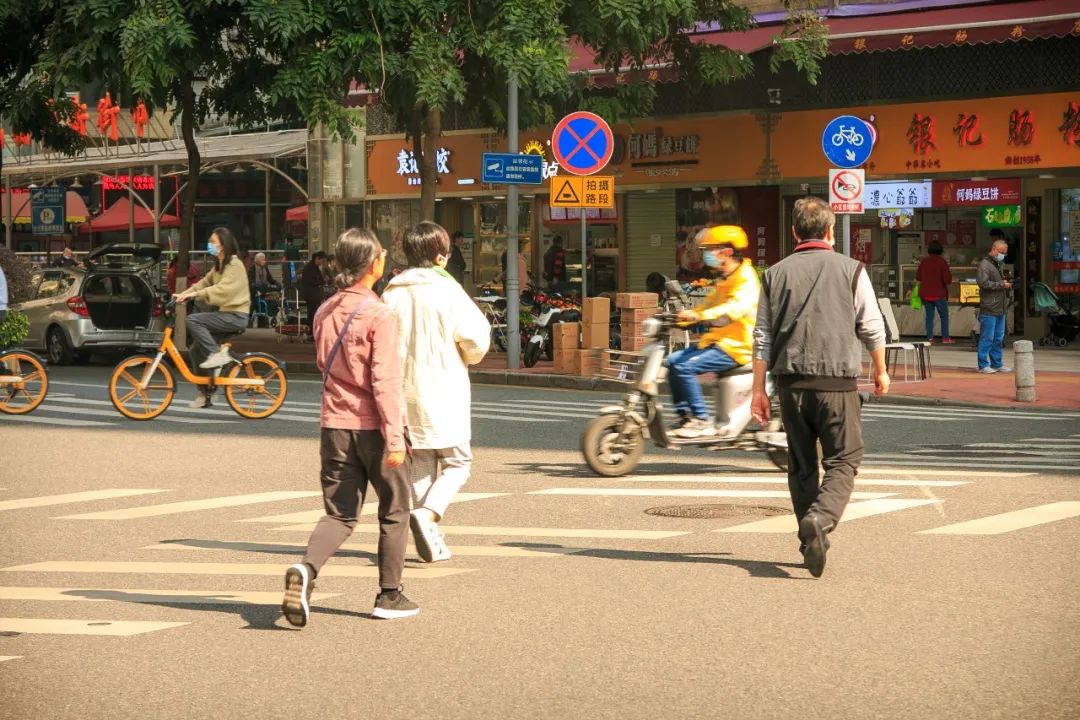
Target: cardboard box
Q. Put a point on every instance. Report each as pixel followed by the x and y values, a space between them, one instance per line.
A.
pixel 595 336
pixel 587 362
pixel 564 336
pixel 634 343
pixel 635 300
pixel 595 310
pixel 631 329
pixel 564 360
pixel 633 317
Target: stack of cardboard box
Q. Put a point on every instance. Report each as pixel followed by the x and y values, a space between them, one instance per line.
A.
pixel 564 344
pixel 635 309
pixel 595 335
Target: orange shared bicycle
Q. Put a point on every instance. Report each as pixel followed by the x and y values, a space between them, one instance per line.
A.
pixel 142 387
pixel 24 381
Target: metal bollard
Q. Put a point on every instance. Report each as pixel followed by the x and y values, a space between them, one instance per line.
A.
pixel 1024 372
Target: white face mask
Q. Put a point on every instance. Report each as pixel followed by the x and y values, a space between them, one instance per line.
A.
pixel 1000 257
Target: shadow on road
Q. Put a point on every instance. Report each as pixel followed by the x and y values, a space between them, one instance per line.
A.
pixel 580 471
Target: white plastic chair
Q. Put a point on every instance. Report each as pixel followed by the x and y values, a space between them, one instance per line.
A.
pixel 919 364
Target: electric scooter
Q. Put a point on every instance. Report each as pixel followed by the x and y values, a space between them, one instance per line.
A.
pixel 552 310
pixel 613 442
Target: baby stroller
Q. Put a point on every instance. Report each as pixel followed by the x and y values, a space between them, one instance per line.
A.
pixel 1063 323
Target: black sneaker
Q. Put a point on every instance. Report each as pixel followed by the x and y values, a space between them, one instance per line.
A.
pixel 298 587
pixel 812 532
pixel 392 604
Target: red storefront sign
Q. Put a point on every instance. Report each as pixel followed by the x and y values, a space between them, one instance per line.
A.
pixel 975 193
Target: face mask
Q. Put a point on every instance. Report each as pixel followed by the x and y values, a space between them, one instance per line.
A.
pixel 1000 257
pixel 711 261
pixel 212 249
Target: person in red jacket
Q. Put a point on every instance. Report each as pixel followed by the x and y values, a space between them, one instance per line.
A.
pixel 934 278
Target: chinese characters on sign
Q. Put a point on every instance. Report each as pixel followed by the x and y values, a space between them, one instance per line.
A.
pixel 642 146
pixel 407 165
pixel 120 182
pixel 1021 128
pixel 920 133
pixel 1001 216
pixel 592 191
pixel 1070 127
pixel 897 195
pixel 976 193
pixel 762 247
pixel 599 191
pixel 967 130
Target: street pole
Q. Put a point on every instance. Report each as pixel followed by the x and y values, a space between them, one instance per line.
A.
pixel 845 228
pixel 584 257
pixel 513 292
pixel 157 205
pixel 131 204
pixel 8 219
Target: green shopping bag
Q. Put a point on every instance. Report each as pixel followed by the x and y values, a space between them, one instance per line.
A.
pixel 916 301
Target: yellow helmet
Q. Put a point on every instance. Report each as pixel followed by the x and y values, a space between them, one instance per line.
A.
pixel 719 235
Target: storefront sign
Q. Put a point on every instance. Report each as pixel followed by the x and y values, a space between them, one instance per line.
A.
pixel 656 145
pixel 846 190
pixel 976 193
pixel 896 218
pixel 1001 216
pixel 595 191
pixel 898 194
pixel 408 167
pixel 511 168
pixel 120 182
pixel 47 210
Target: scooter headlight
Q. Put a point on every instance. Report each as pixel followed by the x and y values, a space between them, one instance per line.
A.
pixel 651 327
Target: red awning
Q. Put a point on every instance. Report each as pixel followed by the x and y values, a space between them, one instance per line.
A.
pixel 116 219
pixel 74 212
pixel 297 214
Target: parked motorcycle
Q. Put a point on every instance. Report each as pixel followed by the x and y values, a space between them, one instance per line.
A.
pixel 552 309
pixel 614 442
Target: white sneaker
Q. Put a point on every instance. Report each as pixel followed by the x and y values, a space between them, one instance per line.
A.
pixel 202 400
pixel 696 428
pixel 1004 368
pixel 987 370
pixel 430 545
pixel 219 359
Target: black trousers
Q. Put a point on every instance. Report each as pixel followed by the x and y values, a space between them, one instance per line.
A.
pixel 834 419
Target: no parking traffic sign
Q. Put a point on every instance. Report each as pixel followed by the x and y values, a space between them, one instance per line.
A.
pixel 582 143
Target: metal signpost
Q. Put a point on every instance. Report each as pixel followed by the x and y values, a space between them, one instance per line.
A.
pixel 47 210
pixel 847 143
pixel 582 143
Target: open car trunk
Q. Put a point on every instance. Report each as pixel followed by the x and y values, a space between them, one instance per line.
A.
pixel 121 301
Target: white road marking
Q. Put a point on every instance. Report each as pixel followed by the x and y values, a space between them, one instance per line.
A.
pixel 676 492
pixel 289 547
pixel 522 532
pixel 179 597
pixel 87 496
pixel 885 469
pixel 42 420
pixel 749 479
pixel 52 407
pixel 193 505
pixel 519 411
pixel 1007 522
pixel 1033 451
pixel 958 460
pixel 854 511
pixel 1033 443
pixel 47 626
pixel 9 657
pixel 260 569
pixel 369 508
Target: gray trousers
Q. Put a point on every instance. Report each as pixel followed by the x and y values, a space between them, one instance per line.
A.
pixel 351 459
pixel 834 419
pixel 207 330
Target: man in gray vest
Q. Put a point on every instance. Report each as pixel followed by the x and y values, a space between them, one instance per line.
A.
pixel 816 306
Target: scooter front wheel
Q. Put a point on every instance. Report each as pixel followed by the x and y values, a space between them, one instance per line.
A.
pixel 532 354
pixel 608 451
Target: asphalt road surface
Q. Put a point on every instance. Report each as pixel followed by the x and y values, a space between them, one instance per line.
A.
pixel 141 572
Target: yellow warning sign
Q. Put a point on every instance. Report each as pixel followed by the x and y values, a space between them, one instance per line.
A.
pixel 591 191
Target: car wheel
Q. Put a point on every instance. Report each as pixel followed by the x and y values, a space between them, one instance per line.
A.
pixel 59 349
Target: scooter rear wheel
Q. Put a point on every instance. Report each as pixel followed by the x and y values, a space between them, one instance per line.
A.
pixel 607 451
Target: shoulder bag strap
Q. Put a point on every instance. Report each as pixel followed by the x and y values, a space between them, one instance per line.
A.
pixel 340 339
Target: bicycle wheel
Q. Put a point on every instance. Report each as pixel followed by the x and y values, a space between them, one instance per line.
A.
pixel 256 402
pixel 134 401
pixel 23 395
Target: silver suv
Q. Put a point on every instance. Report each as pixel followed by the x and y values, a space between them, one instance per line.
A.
pixel 111 304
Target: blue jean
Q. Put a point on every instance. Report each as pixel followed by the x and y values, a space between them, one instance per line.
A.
pixel 683 368
pixel 991 340
pixel 942 307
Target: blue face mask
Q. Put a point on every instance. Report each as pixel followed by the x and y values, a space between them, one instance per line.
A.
pixel 1000 257
pixel 212 249
pixel 711 261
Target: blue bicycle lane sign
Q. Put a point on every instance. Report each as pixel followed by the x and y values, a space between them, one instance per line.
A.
pixel 847 141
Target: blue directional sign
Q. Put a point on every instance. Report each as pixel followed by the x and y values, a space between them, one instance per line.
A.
pixel 582 143
pixel 47 210
pixel 513 168
pixel 847 141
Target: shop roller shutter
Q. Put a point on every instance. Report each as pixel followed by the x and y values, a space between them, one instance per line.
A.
pixel 649 214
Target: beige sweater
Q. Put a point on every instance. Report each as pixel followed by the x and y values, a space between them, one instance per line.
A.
pixel 227 290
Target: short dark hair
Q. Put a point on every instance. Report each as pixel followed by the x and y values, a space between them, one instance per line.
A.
pixel 812 218
pixel 424 243
pixel 457 234
pixel 934 248
pixel 318 255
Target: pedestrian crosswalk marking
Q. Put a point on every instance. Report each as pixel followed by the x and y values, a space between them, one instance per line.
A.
pixel 9 657
pixel 676 492
pixel 369 508
pixel 1029 452
pixel 854 511
pixel 54 407
pixel 373 548
pixel 1028 463
pixel 49 626
pixel 547 412
pixel 179 597
pixel 192 505
pixel 525 532
pixel 87 496
pixel 336 569
pixel 1010 521
pixel 42 420
pixel 783 480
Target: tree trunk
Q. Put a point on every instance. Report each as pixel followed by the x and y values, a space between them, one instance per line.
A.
pixel 191 189
pixel 429 174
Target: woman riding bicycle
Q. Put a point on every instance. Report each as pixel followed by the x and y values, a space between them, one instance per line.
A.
pixel 225 287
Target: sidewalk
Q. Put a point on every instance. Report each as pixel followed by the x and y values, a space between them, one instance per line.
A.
pixel 954 380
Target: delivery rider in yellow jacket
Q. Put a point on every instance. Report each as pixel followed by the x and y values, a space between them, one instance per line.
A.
pixel 729 311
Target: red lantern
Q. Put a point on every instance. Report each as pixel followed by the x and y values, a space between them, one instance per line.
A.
pixel 140 116
pixel 103 112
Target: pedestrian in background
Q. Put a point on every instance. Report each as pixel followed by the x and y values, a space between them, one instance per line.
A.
pixel 362 436
pixel 555 265
pixel 456 264
pixel 816 305
pixel 443 332
pixel 933 276
pixel 993 293
pixel 66 259
pixel 311 286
